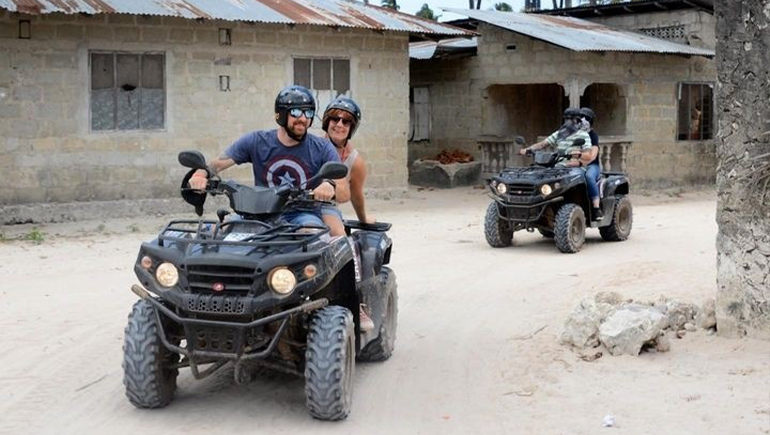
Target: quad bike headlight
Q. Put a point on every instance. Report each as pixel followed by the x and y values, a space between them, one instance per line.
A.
pixel 501 188
pixel 281 280
pixel 546 189
pixel 167 275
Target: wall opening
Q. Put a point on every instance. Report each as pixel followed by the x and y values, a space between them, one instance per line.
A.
pixel 530 110
pixel 608 101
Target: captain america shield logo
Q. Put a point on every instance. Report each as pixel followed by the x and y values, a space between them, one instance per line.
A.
pixel 286 170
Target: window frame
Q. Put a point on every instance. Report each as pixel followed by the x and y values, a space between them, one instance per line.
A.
pixel 332 59
pixel 115 54
pixel 679 88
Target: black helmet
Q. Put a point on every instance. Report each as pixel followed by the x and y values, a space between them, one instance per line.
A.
pixel 571 113
pixel 348 105
pixel 293 97
pixel 587 113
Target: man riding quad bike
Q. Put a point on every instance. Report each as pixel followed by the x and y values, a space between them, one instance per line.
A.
pixel 252 290
pixel 554 200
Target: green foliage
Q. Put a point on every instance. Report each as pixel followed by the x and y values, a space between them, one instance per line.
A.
pixel 35 236
pixel 391 4
pixel 503 7
pixel 134 228
pixel 427 13
pixel 101 228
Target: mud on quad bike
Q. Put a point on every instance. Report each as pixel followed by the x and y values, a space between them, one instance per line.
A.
pixel 254 291
pixel 554 201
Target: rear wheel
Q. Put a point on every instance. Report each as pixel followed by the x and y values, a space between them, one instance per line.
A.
pixel 496 230
pixel 570 228
pixel 381 348
pixel 622 220
pixel 149 369
pixel 330 363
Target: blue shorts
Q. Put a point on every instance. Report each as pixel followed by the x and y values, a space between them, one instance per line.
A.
pixel 314 217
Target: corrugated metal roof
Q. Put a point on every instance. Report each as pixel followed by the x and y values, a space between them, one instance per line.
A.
pixel 342 13
pixel 580 35
pixel 428 49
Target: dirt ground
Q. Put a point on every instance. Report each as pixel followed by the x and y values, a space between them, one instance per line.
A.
pixel 476 352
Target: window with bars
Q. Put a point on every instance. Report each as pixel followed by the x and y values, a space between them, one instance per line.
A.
pixel 695 111
pixel 323 74
pixel 326 78
pixel 128 91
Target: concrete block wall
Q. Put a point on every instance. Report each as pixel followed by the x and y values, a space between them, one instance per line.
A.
pixel 699 26
pixel 49 154
pixel 650 83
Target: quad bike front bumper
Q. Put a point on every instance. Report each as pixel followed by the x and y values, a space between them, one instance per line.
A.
pixel 222 341
pixel 524 214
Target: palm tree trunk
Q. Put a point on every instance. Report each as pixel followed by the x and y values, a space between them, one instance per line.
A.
pixel 743 174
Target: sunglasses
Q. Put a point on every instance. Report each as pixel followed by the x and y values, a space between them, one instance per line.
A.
pixel 347 122
pixel 296 113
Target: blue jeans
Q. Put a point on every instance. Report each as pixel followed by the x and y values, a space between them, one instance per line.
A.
pixel 314 217
pixel 593 172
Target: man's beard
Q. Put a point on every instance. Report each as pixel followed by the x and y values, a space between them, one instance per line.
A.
pixel 566 130
pixel 292 134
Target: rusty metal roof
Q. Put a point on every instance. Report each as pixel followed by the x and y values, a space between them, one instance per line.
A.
pixel 342 13
pixel 429 49
pixel 580 35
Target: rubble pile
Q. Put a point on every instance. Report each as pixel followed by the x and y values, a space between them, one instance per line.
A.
pixel 626 327
pixel 446 157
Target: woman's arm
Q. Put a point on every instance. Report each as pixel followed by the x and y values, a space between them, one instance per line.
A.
pixel 357 180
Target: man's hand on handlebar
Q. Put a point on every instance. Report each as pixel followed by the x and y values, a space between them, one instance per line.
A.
pixel 324 192
pixel 199 180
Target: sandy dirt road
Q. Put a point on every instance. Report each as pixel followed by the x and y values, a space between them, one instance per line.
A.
pixel 476 352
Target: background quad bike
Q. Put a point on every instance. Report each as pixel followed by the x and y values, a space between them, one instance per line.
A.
pixel 563 213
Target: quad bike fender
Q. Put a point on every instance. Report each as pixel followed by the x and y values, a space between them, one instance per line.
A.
pixel 616 185
pixel 373 252
pixel 374 294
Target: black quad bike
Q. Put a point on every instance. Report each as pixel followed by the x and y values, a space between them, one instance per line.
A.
pixel 253 291
pixel 554 200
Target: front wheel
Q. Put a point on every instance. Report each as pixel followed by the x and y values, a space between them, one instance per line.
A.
pixel 330 363
pixel 149 369
pixel 496 231
pixel 622 219
pixel 570 228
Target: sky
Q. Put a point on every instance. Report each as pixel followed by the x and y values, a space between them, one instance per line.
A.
pixel 412 6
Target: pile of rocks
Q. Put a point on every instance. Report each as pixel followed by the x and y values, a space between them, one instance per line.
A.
pixel 625 327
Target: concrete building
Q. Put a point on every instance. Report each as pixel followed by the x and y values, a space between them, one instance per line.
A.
pixel 647 72
pixel 97 98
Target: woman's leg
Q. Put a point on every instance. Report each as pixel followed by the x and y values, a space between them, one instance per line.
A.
pixel 592 181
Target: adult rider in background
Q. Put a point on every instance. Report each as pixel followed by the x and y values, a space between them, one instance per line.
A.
pixel 593 166
pixel 564 140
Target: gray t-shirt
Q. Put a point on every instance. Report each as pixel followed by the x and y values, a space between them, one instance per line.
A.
pixel 275 164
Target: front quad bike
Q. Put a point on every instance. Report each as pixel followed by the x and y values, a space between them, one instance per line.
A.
pixel 554 201
pixel 254 291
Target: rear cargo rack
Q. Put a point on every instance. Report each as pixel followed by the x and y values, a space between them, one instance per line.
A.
pixel 206 232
